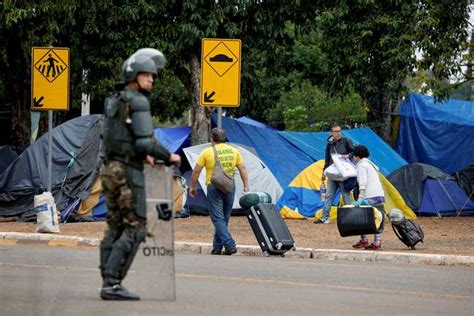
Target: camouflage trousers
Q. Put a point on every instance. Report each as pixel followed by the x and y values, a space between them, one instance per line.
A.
pixel 124 191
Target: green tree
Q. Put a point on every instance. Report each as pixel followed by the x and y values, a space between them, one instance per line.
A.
pixel 261 27
pixel 307 108
pixel 101 33
pixel 371 47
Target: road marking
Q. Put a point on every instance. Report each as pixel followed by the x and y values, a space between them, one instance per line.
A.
pixel 23 265
pixel 325 286
pixel 63 243
pixel 66 243
pixel 261 281
pixel 365 264
pixel 7 242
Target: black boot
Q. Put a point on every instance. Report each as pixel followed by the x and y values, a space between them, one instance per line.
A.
pixel 117 293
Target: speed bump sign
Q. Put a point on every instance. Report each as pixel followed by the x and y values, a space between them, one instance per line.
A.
pixel 220 72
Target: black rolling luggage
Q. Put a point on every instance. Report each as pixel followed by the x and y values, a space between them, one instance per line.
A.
pixel 409 232
pixel 355 221
pixel 270 229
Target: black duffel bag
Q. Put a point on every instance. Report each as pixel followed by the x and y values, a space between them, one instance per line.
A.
pixel 355 221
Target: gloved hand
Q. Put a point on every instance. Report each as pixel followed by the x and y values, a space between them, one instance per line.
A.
pixel 361 201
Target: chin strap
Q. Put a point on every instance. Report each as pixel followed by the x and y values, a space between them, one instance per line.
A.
pixel 143 91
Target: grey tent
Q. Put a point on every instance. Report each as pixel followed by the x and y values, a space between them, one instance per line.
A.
pixel 7 155
pixel 260 176
pixel 409 180
pixel 76 160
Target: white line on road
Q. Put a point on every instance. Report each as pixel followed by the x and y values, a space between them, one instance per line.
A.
pixel 327 286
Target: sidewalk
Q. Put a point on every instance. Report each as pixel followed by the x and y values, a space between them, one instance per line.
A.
pixel 52 240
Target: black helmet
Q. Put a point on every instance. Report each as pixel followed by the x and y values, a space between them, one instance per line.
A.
pixel 143 60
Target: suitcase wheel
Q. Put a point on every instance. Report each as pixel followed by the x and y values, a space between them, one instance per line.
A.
pixel 294 248
pixel 266 253
pixel 282 255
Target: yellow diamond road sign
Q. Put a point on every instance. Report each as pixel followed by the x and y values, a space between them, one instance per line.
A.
pixel 50 78
pixel 220 72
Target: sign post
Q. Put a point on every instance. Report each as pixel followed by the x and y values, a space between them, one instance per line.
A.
pixel 220 73
pixel 49 86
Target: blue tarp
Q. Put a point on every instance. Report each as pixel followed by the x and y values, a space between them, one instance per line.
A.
pixel 438 134
pixel 174 138
pixel 287 153
pixel 249 121
pixel 284 160
pixel 314 144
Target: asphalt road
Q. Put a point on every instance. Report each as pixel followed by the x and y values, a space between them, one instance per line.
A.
pixel 62 281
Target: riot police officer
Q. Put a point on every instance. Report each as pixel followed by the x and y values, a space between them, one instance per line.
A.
pixel 129 142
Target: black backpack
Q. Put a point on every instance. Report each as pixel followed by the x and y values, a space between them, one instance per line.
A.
pixel 409 232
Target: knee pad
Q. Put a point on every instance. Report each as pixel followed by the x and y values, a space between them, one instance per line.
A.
pixel 125 243
pixel 107 243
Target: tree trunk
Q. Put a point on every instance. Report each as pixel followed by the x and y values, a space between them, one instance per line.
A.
pixel 201 116
pixel 380 117
pixel 18 68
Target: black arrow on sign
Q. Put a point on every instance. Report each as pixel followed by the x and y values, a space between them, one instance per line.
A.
pixel 37 103
pixel 207 98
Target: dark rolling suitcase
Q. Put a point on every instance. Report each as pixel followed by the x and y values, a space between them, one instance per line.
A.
pixel 409 232
pixel 270 229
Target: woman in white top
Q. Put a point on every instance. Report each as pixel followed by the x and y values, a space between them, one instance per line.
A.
pixel 370 192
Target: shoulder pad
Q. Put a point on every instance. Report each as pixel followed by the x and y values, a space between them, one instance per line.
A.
pixel 111 105
pixel 140 103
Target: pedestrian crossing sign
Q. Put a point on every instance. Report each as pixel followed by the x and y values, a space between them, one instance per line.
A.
pixel 50 78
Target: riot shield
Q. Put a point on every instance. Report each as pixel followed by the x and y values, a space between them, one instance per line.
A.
pixel 154 263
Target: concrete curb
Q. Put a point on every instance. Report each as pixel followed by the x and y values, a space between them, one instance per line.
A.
pixel 10 238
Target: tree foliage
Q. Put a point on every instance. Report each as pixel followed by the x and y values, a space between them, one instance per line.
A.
pixel 371 46
pixel 336 50
pixel 307 108
pixel 101 33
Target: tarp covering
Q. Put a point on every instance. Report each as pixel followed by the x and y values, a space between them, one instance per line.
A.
pixel 438 134
pixel 287 153
pixel 284 160
pixel 314 145
pixel 408 180
pixel 76 153
pixel 250 121
pixel 7 155
pixel 444 198
pixel 259 175
pixel 174 138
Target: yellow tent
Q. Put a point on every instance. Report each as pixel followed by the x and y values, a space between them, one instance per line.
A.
pixel 306 185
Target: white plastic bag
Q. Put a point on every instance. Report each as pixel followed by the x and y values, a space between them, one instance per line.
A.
pixel 345 167
pixel 46 217
pixel 333 173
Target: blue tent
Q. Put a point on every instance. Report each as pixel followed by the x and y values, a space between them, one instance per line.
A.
pixel 284 159
pixel 314 145
pixel 438 134
pixel 443 198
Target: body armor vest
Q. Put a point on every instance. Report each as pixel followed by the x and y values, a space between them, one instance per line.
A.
pixel 118 136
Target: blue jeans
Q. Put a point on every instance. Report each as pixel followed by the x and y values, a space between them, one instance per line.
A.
pixel 331 189
pixel 221 209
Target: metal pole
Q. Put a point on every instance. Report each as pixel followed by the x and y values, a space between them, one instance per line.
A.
pixel 50 151
pixel 219 117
